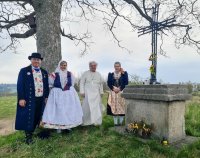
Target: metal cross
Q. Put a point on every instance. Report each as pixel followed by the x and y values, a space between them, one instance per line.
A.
pixel 154 27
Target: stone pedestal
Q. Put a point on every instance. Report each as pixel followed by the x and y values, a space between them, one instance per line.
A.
pixel 162 105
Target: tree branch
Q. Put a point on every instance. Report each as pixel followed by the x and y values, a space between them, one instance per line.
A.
pixel 9 24
pixel 133 3
pixel 78 39
pixel 27 34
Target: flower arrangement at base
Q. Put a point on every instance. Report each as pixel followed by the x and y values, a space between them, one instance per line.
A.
pixel 133 128
pixel 140 129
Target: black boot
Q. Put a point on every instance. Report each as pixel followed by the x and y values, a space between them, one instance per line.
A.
pixel 67 131
pixel 29 137
pixel 44 134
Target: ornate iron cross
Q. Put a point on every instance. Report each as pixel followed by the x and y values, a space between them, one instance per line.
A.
pixel 154 27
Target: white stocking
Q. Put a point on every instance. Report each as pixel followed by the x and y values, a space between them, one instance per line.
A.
pixel 115 120
pixel 121 119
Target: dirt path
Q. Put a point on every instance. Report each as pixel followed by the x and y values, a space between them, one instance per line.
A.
pixel 7 126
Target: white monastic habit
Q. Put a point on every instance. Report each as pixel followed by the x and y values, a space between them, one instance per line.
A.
pixel 91 85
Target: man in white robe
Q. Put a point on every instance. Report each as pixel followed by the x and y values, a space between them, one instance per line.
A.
pixel 91 88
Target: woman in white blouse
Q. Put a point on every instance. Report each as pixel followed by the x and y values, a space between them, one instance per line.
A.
pixel 63 109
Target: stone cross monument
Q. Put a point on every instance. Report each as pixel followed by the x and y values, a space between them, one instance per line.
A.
pixel 161 105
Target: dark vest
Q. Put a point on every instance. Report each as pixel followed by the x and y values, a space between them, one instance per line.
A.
pixel 57 82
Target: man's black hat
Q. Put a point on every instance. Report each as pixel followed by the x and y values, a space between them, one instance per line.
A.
pixel 35 55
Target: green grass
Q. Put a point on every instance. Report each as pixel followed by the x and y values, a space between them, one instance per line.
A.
pixel 7 107
pixel 97 142
pixel 88 142
pixel 193 117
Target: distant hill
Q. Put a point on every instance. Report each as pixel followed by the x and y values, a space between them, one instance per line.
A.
pixel 8 89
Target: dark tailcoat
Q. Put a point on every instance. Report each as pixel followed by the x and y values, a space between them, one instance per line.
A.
pixel 26 90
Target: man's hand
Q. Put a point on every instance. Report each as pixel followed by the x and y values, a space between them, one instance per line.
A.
pixel 83 95
pixel 22 103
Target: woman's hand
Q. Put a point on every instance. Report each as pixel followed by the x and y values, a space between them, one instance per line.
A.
pixel 83 95
pixel 122 70
pixel 22 103
pixel 116 90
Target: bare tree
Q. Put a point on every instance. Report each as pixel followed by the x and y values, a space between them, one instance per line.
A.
pixel 39 18
pixel 43 19
pixel 137 13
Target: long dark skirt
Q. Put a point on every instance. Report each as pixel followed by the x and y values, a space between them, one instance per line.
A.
pixel 109 112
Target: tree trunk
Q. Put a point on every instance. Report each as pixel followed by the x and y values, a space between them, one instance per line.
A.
pixel 48 14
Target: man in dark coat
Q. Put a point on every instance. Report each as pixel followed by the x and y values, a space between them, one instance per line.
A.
pixel 32 93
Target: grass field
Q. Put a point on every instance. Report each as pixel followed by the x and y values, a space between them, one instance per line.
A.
pixel 7 107
pixel 96 142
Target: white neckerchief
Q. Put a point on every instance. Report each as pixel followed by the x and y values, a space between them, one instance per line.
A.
pixel 117 75
pixel 62 74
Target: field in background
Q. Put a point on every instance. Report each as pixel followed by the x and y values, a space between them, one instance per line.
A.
pixel 94 142
pixel 7 107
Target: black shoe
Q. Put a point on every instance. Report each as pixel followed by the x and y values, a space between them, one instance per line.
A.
pixel 43 135
pixel 29 141
pixel 29 136
pixel 67 131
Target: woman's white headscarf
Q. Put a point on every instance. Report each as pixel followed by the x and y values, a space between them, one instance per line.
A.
pixel 62 74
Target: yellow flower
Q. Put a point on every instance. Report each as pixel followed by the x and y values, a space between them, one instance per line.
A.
pixel 165 142
pixel 152 69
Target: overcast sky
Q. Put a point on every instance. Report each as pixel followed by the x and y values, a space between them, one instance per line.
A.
pixel 180 66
